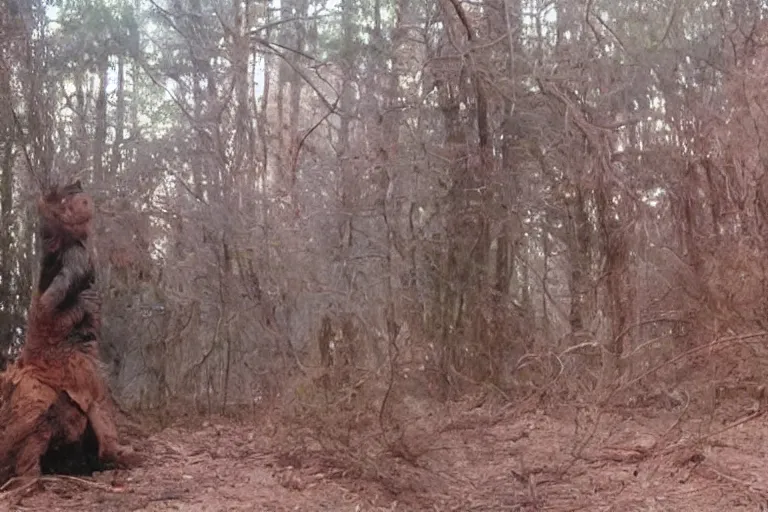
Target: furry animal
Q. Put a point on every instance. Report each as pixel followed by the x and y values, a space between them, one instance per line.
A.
pixel 56 391
pixel 33 417
pixel 66 305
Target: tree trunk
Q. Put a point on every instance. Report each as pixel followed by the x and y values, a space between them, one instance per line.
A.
pixel 117 147
pixel 295 100
pixel 81 140
pixel 100 134
pixel 7 158
pixel 578 234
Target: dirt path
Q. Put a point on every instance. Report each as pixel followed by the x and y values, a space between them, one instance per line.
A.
pixel 563 460
pixel 219 467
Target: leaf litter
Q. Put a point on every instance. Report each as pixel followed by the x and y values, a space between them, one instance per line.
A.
pixel 565 458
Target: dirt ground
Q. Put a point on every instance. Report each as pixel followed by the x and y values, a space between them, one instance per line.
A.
pixel 560 458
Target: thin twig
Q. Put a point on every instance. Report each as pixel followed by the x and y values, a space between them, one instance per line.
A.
pixel 24 149
pixel 680 416
pixel 273 24
pixel 716 342
pixel 463 17
pixel 57 478
pixel 741 421
pixel 81 481
pixel 325 116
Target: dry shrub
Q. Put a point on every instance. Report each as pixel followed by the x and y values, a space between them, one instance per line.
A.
pixel 361 425
pixel 736 283
pixel 732 317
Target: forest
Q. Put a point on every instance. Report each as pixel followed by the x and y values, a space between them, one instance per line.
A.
pixel 470 255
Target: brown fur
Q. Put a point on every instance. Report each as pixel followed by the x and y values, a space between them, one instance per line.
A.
pixel 65 301
pixel 60 355
pixel 33 414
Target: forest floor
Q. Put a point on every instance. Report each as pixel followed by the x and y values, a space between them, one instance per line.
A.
pixel 503 458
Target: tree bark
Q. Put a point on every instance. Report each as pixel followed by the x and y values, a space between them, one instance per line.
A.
pixel 117 147
pixel 100 133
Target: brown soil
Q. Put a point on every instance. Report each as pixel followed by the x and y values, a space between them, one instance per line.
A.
pixel 565 458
